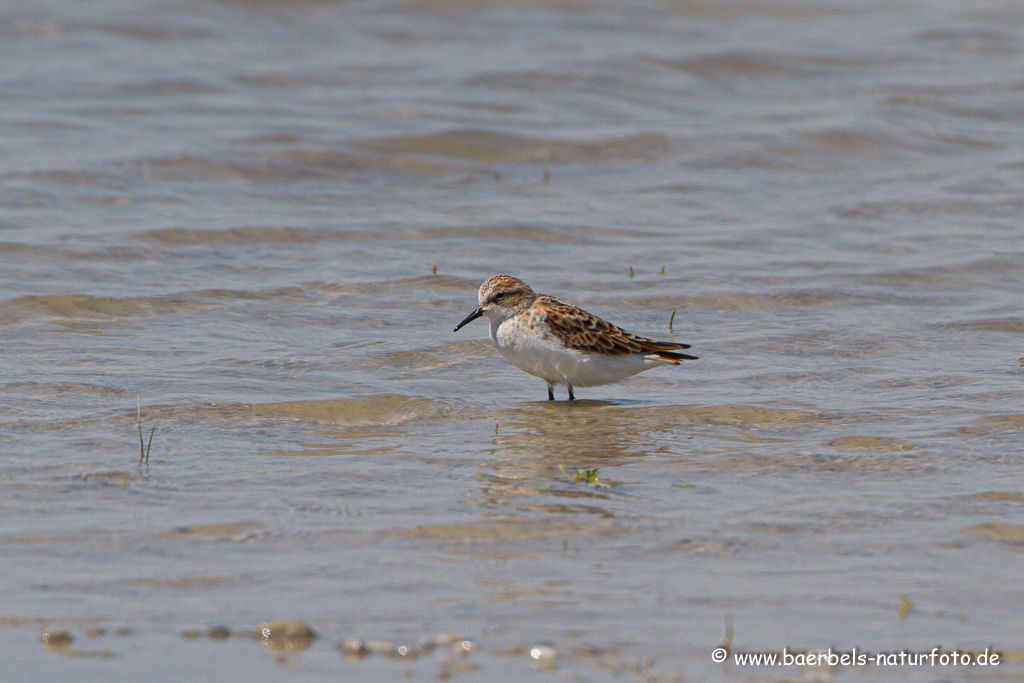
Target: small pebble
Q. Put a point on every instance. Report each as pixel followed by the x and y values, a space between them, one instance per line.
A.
pixel 404 652
pixel 543 657
pixel 380 646
pixel 56 639
pixel 351 645
pixel 219 633
pixel 443 639
pixel 353 648
pixel 286 635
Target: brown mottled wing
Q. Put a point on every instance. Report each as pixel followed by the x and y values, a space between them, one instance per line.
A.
pixel 586 332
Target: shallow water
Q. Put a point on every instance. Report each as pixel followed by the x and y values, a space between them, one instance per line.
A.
pixel 261 220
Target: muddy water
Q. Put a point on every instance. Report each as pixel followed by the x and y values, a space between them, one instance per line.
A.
pixel 261 220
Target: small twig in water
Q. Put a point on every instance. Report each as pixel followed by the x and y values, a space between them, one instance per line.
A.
pixel 631 271
pixel 138 421
pixel 730 631
pixel 670 319
pixel 143 447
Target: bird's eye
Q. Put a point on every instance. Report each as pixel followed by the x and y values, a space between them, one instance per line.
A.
pixel 499 296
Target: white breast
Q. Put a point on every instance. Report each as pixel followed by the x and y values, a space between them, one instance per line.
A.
pixel 543 355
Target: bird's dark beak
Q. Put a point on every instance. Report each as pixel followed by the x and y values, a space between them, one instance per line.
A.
pixel 469 318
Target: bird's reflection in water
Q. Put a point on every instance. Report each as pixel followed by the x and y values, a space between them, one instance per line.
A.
pixel 540 449
pixel 560 432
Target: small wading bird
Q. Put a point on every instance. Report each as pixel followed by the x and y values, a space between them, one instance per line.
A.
pixel 563 344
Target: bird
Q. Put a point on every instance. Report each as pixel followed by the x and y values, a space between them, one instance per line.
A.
pixel 561 343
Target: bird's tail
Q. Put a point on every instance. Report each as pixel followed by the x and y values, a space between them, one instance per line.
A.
pixel 670 356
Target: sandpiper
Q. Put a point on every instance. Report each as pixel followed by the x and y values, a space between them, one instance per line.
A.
pixel 563 344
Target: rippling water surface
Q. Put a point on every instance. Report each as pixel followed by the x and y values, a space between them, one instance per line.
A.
pixel 261 220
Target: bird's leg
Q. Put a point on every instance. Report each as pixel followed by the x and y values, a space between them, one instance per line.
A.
pixel 551 393
pixel 571 397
